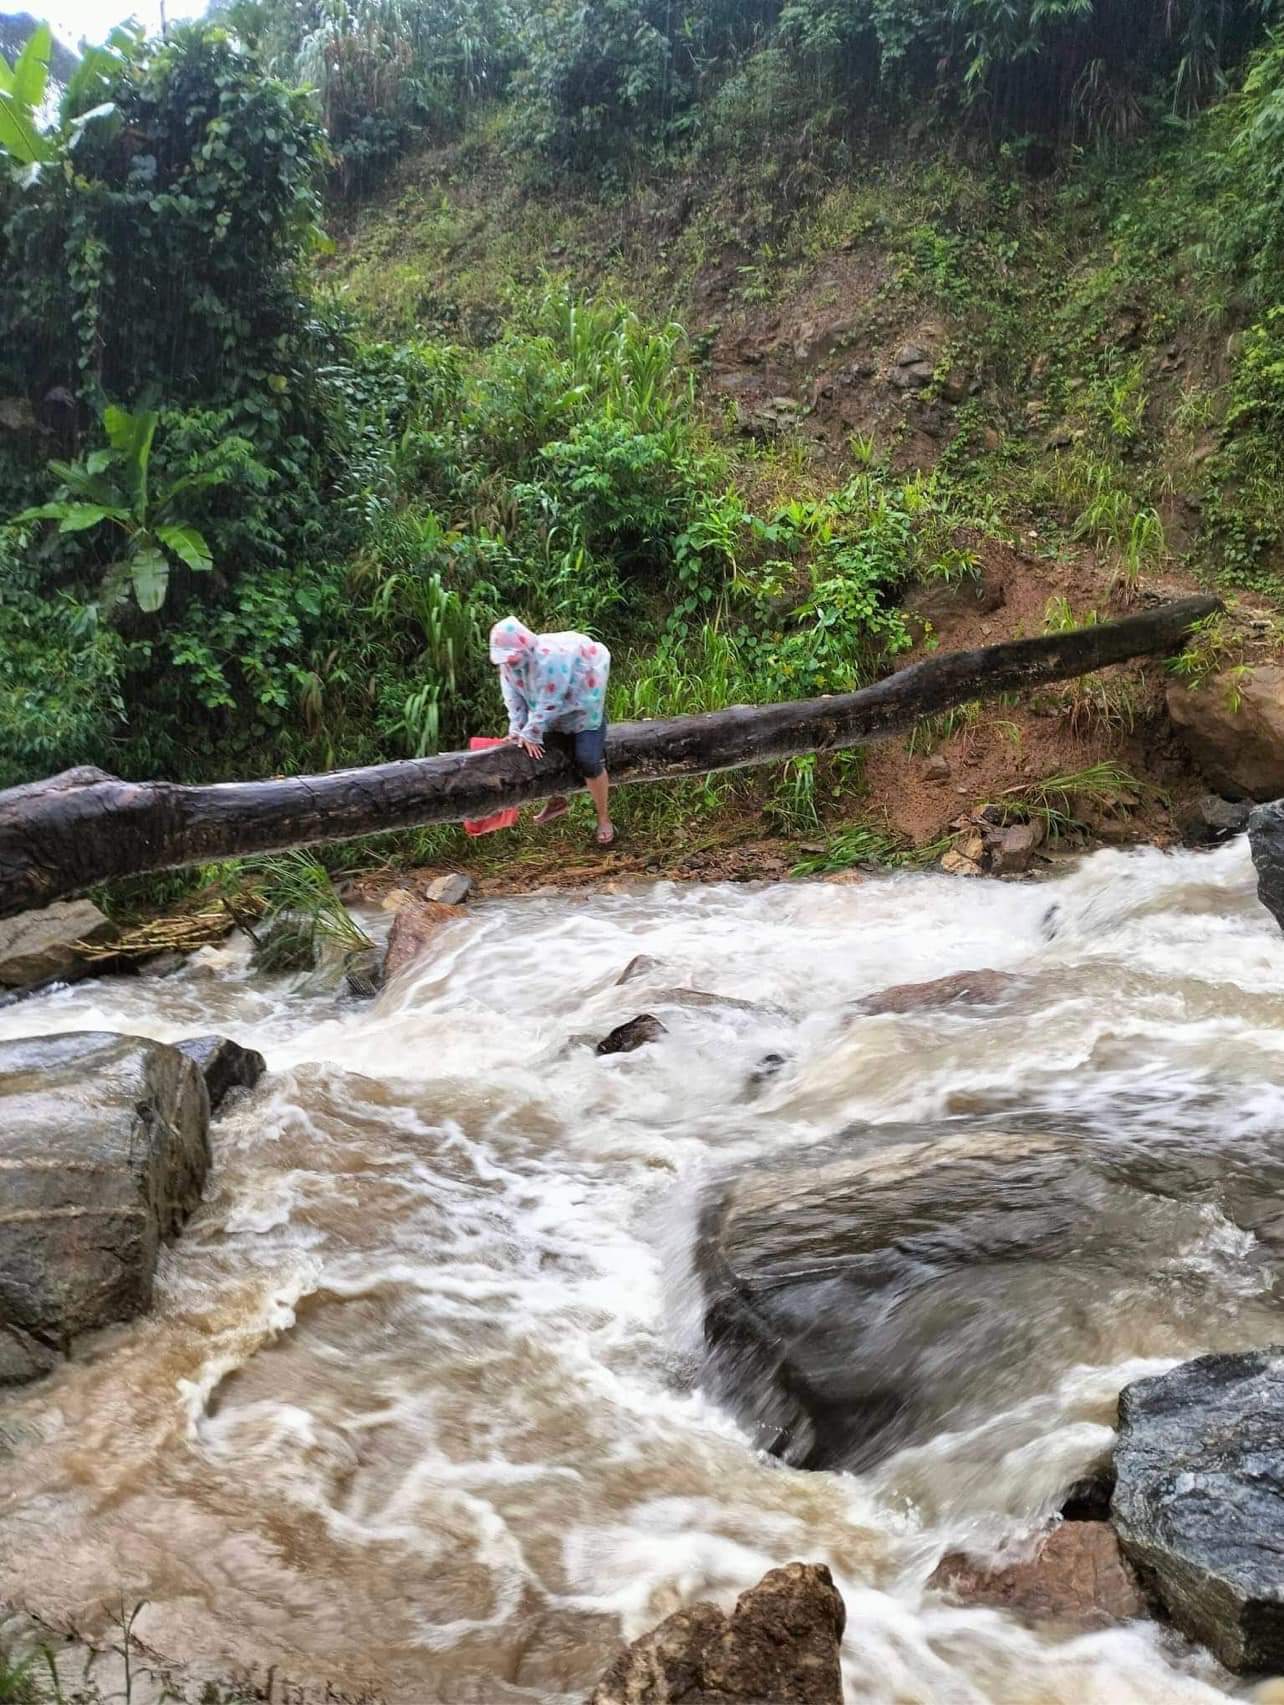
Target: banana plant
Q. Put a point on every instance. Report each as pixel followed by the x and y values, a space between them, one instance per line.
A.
pixel 22 93
pixel 111 487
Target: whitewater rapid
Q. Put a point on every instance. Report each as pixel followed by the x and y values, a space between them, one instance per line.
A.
pixel 418 1413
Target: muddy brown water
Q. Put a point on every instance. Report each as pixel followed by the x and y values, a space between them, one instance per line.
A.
pixel 419 1412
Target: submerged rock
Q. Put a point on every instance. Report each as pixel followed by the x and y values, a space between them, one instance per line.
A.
pixel 225 1065
pixel 1266 840
pixel 1199 1503
pixel 42 947
pixel 960 988
pixel 779 1646
pixel 627 1038
pixel 701 998
pixel 1077 1579
pixel 105 1146
pixel 639 966
pixel 1233 726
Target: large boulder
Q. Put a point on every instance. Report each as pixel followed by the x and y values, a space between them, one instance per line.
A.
pixel 1233 726
pixel 104 1147
pixel 1266 840
pixel 779 1646
pixel 1076 1579
pixel 44 946
pixel 867 1294
pixel 1199 1500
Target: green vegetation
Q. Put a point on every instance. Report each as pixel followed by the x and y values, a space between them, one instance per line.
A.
pixel 265 499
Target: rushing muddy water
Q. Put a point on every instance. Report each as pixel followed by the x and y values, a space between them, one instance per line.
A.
pixel 418 1412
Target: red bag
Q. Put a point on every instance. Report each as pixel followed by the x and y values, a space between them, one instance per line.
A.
pixel 500 819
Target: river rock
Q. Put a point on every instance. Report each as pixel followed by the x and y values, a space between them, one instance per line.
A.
pixel 104 1144
pixel 779 1646
pixel 1210 819
pixel 1077 1579
pixel 641 965
pixel 628 1038
pixel 42 947
pixel 450 890
pixel 1233 726
pixel 414 925
pixel 1199 1500
pixel 702 998
pixel 960 988
pixel 872 1291
pixel 1266 839
pixel 225 1065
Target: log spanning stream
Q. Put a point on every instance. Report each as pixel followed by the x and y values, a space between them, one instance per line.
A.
pixel 423 1409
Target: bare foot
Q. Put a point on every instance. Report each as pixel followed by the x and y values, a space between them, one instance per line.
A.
pixel 552 811
pixel 605 834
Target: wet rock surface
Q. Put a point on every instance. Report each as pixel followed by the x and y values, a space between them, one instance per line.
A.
pixel 1077 1579
pixel 451 890
pixel 1266 839
pixel 41 947
pixel 636 1033
pixel 1211 819
pixel 641 965
pixel 105 1147
pixel 779 1646
pixel 225 1065
pixel 960 988
pixel 900 1281
pixel 1199 1503
pixel 414 926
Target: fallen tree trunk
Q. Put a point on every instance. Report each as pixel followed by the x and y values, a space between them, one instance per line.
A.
pixel 85 827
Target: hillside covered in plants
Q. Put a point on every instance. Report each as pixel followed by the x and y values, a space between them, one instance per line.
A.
pixel 771 343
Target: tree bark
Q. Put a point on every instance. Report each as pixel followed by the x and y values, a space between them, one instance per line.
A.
pixel 84 826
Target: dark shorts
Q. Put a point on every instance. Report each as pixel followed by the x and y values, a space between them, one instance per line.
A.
pixel 587 751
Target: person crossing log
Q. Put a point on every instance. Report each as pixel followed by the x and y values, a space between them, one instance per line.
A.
pixel 84 826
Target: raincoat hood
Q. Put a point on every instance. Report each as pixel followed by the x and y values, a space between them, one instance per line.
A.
pixel 510 641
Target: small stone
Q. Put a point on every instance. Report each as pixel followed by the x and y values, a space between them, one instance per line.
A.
pixel 956 864
pixel 769 1066
pixel 163 964
pixel 937 768
pixel 1010 850
pixel 910 354
pixel 450 890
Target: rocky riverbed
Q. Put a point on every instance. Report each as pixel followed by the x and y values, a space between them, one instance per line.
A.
pixel 481 1353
